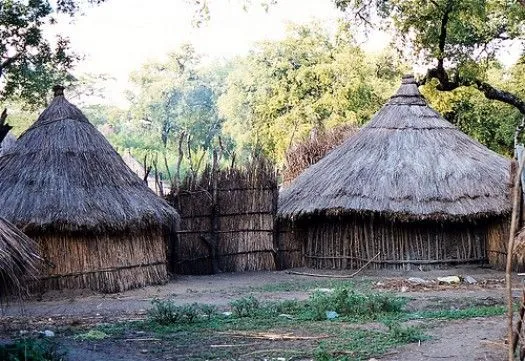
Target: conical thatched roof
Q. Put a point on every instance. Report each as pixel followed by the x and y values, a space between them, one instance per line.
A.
pixel 407 162
pixel 63 175
pixel 18 259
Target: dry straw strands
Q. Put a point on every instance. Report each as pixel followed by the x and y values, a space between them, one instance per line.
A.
pixel 18 259
pixel 408 163
pixel 310 151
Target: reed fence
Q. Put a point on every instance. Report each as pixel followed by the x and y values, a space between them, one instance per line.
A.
pixel 227 220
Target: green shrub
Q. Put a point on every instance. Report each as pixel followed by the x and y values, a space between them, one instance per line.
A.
pixel 352 303
pixel 164 312
pixel 168 313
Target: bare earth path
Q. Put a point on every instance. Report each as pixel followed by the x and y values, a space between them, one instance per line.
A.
pixel 472 339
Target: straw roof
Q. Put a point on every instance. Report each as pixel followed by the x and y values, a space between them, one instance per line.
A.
pixel 408 163
pixel 63 175
pixel 18 259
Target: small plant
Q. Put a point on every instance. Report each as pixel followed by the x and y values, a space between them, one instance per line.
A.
pixel 245 307
pixel 164 312
pixel 208 310
pixel 189 312
pixel 405 334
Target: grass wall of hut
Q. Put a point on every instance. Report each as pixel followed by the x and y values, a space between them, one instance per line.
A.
pixel 106 263
pixel 350 241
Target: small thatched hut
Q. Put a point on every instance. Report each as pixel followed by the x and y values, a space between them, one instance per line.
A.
pixel 18 260
pixel 409 186
pixel 97 224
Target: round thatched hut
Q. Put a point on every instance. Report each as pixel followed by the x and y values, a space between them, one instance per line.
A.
pixel 409 186
pixel 18 260
pixel 97 224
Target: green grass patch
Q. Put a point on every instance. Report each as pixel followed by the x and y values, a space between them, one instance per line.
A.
pixel 349 336
pixel 359 344
pixel 29 349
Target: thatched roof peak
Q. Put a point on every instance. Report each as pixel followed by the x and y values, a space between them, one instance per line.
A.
pixel 58 90
pixel 63 175
pixel 407 162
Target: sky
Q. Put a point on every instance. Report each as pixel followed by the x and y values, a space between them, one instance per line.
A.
pixel 118 36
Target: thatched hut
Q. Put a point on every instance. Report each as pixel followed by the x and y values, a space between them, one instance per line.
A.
pixel 97 224
pixel 409 186
pixel 18 260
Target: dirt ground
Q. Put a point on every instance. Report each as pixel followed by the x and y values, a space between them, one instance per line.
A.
pixel 471 339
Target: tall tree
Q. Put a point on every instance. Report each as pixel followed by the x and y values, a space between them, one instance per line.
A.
pixel 29 63
pixel 458 40
pixel 284 89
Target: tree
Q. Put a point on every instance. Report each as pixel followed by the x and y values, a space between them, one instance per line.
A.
pixel 29 63
pixel 458 40
pixel 284 89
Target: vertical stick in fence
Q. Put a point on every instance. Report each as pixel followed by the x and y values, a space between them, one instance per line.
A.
pixel 510 248
pixel 215 226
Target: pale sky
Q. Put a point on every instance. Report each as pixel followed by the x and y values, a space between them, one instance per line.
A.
pixel 118 36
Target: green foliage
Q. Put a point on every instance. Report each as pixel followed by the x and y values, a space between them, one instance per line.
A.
pixel 283 89
pixel 490 123
pixel 31 350
pixel 352 304
pixel 30 64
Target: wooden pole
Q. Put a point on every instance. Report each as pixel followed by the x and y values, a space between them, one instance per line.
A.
pixel 510 248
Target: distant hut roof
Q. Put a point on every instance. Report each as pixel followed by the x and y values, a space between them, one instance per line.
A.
pixel 18 259
pixel 7 143
pixel 407 162
pixel 63 175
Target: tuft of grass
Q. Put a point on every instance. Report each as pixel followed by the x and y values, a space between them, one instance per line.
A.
pixel 31 350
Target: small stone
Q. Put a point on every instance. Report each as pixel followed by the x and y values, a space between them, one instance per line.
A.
pixel 48 333
pixel 144 350
pixel 470 280
pixel 227 313
pixel 330 315
pixel 449 280
pixel 404 289
pixel 23 332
